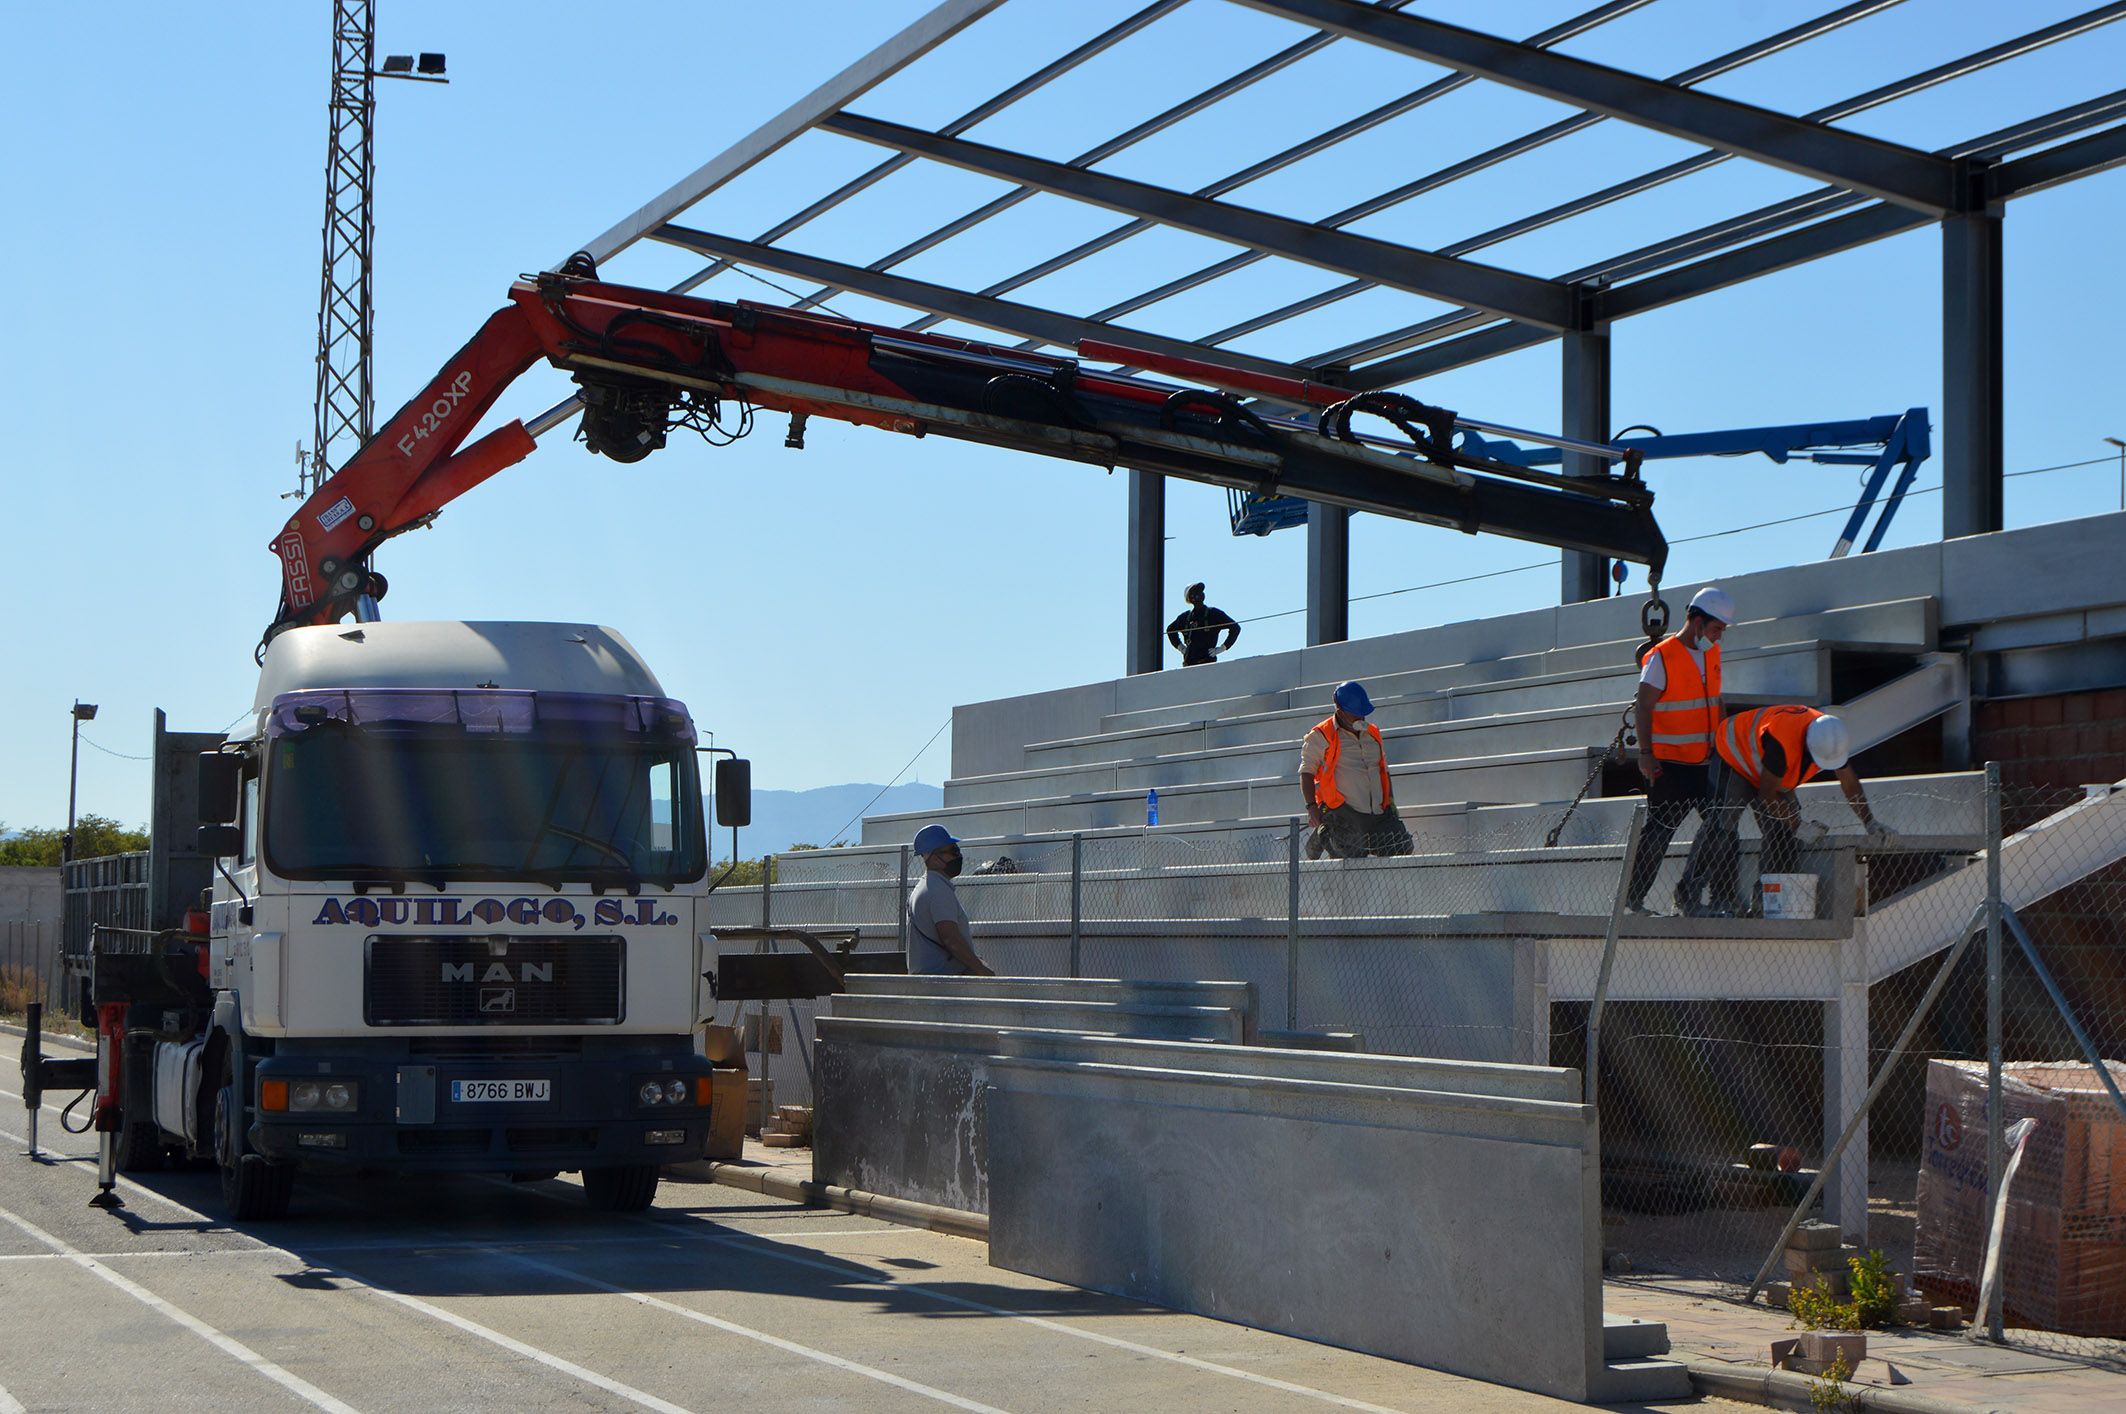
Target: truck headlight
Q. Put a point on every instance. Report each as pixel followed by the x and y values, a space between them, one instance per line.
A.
pixel 341 1096
pixel 675 1092
pixel 651 1092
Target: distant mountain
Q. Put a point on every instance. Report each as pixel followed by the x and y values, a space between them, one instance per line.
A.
pixel 782 818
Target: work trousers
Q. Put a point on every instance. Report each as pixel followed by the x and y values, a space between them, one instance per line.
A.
pixel 1348 833
pixel 1716 855
pixel 1670 799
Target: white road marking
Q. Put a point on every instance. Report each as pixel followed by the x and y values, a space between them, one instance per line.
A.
pixel 293 1383
pixel 761 1245
pixel 495 1337
pixel 8 1403
pixel 841 1267
pixel 733 1328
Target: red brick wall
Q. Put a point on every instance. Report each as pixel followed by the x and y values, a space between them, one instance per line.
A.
pixel 2064 740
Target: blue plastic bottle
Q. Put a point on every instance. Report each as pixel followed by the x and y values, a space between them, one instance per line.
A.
pixel 1151 807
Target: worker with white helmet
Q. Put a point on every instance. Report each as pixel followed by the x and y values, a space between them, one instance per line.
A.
pixel 1764 755
pixel 1677 709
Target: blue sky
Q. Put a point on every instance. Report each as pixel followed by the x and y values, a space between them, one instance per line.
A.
pixel 823 611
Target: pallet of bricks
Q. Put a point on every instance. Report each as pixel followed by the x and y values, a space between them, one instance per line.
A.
pixel 2063 1252
pixel 790 1129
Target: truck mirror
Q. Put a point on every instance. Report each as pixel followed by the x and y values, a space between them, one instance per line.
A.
pixel 220 841
pixel 734 792
pixel 220 786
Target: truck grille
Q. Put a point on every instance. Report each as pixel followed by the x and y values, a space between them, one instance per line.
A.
pixel 494 981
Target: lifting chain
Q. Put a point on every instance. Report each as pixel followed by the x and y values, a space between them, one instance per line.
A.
pixel 1653 621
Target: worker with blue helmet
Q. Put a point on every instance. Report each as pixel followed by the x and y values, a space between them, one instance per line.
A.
pixel 940 941
pixel 1343 773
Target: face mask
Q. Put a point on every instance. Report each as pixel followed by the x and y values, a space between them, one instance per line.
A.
pixel 953 866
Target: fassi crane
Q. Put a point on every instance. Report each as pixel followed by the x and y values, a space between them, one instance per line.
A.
pixel 649 361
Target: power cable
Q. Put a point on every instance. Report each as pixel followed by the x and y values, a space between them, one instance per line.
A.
pixel 1684 540
pixel 85 741
pixel 838 834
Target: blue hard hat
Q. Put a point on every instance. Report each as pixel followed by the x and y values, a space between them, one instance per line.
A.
pixel 932 838
pixel 1352 698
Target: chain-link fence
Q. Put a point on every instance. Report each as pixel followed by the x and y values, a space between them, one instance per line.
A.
pixel 31 966
pixel 1734 1055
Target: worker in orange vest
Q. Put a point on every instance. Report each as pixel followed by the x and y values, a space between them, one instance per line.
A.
pixel 1677 708
pixel 1765 754
pixel 1343 772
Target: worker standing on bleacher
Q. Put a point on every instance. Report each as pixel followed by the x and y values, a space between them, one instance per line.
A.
pixel 1678 706
pixel 1764 755
pixel 1195 630
pixel 1343 771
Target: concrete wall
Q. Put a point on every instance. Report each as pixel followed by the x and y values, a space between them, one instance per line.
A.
pixel 1459 1231
pixel 31 894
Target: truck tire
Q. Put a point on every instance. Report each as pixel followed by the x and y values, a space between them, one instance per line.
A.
pixel 252 1190
pixel 627 1189
pixel 140 1148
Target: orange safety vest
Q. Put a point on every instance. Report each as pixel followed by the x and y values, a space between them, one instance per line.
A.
pixel 1325 791
pixel 1683 718
pixel 1789 726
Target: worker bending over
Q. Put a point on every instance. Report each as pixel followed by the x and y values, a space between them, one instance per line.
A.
pixel 1677 709
pixel 1764 755
pixel 1343 772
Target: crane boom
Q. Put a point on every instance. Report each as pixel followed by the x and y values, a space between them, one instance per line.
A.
pixel 649 361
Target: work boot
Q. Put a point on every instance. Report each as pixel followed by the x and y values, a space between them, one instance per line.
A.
pixel 1708 910
pixel 1637 908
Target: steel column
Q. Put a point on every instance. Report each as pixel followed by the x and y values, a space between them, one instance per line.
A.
pixel 1142 636
pixel 1328 573
pixel 1971 487
pixel 1583 576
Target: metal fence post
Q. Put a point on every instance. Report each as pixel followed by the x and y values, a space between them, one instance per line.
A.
pixel 1994 1147
pixel 1077 904
pixel 900 930
pixel 1291 930
pixel 1609 954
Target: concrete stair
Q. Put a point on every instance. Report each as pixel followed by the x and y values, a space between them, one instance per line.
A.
pixel 1631 1371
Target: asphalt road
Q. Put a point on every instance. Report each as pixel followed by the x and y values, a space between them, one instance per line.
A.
pixel 479 1294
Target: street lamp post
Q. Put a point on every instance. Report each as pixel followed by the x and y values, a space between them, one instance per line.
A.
pixel 83 712
pixel 2122 469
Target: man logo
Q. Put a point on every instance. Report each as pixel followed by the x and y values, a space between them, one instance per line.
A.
pixel 497 999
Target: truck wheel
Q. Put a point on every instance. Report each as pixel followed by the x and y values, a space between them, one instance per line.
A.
pixel 627 1189
pixel 140 1147
pixel 251 1190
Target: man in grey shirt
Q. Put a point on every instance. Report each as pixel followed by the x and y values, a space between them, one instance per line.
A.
pixel 938 937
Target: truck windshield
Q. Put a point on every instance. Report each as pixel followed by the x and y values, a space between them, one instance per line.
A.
pixel 408 785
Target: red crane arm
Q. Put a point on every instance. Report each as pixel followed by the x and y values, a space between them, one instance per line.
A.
pixel 647 361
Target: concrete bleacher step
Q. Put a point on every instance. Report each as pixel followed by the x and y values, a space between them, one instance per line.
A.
pixel 1629 1338
pixel 1898 625
pixel 1640 1382
pixel 1529 775
pixel 1407 745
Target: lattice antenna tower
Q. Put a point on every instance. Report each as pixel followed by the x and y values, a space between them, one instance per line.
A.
pixel 345 405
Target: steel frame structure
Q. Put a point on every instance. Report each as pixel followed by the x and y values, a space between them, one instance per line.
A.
pixel 1871 189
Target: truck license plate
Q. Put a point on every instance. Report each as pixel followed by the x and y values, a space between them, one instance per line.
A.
pixel 482 1091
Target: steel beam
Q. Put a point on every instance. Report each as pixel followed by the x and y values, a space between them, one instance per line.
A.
pixel 874 68
pixel 1503 292
pixel 1843 233
pixel 1971 485
pixel 1907 176
pixel 1583 576
pixel 1453 353
pixel 2099 152
pixel 1143 641
pixel 1328 573
pixel 1025 320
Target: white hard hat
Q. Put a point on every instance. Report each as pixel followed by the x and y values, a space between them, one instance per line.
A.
pixel 1829 742
pixel 1714 604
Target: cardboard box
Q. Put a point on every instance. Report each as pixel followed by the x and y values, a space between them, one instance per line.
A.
pixel 2063 1259
pixel 727 1114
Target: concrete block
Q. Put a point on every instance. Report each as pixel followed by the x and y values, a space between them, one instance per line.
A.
pixel 1831 1346
pixel 1127 1180
pixel 1814 1236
